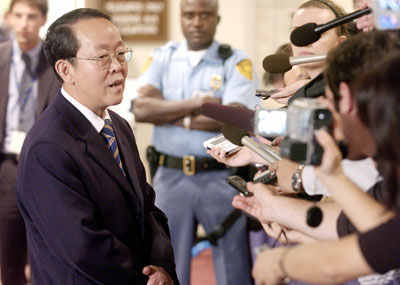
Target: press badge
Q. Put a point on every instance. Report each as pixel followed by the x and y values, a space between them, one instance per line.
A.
pixel 16 142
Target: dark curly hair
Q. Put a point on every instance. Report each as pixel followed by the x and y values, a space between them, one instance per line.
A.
pixel 377 94
pixel 356 55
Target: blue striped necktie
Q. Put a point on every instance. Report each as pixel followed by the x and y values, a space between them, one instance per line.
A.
pixel 108 133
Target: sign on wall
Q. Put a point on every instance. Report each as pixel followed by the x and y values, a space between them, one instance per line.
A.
pixel 138 19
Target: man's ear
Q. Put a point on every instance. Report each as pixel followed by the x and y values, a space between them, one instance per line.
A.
pixel 65 70
pixel 218 19
pixel 346 104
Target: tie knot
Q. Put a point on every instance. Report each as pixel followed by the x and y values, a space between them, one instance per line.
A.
pixel 107 122
pixel 107 129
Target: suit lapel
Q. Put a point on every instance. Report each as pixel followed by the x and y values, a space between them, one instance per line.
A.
pixel 127 156
pixel 94 145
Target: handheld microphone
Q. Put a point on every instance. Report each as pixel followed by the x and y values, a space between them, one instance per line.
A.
pixel 240 137
pixel 311 32
pixel 237 116
pixel 280 63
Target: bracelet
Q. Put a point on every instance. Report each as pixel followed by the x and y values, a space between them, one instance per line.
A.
pixel 187 121
pixel 281 266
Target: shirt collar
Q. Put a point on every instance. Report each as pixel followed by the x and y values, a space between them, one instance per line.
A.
pixel 96 121
pixel 211 54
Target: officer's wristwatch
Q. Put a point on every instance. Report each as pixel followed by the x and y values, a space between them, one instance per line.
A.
pixel 297 185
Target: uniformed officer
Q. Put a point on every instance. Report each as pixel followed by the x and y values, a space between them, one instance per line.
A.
pixel 190 185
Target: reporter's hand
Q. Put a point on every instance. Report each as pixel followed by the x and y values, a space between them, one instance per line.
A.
pixel 157 275
pixel 266 269
pixel 240 158
pixel 258 205
pixel 277 141
pixel 289 237
pixel 366 23
pixel 283 95
pixel 284 170
pixel 331 159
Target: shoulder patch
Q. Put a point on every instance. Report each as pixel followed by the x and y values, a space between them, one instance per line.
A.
pixel 147 64
pixel 245 68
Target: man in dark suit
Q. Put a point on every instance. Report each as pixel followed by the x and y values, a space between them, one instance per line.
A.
pixel 27 85
pixel 81 186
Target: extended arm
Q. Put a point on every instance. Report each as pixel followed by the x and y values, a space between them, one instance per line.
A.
pixel 322 263
pixel 289 212
pixel 363 211
pixel 151 107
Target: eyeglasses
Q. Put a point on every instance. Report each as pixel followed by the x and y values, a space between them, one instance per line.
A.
pixel 104 60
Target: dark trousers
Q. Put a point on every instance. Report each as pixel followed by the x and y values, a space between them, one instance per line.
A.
pixel 13 248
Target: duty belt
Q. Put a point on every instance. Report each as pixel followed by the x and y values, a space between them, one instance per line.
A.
pixel 190 164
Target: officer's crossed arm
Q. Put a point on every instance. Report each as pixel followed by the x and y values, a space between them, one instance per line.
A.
pixel 151 107
pixel 203 123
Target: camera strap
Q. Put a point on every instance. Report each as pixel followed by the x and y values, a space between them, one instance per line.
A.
pixel 220 230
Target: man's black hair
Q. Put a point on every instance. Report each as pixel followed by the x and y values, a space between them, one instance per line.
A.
pixel 61 42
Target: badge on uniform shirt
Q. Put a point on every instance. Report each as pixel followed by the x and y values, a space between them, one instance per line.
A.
pixel 147 64
pixel 216 82
pixel 245 68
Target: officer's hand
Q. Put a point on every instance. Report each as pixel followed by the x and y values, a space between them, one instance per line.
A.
pixel 206 99
pixel 149 90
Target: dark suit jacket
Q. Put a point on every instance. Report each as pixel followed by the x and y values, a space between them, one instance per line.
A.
pixel 86 222
pixel 47 87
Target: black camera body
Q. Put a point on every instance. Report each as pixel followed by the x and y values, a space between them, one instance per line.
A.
pixel 297 124
pixel 304 117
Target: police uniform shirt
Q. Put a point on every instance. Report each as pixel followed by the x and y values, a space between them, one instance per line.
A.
pixel 171 72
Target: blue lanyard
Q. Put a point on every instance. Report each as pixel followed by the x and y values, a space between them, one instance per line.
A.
pixel 23 98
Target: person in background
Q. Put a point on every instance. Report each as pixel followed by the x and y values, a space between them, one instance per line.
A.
pixel 81 186
pixel 27 85
pixel 319 12
pixel 180 78
pixel 281 80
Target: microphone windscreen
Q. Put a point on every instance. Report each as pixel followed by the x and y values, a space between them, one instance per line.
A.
pixel 304 35
pixel 277 63
pixel 233 134
pixel 237 116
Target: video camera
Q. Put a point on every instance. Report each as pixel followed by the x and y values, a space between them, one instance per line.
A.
pixel 297 124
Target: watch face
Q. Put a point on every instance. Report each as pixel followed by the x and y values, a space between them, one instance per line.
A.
pixel 294 182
